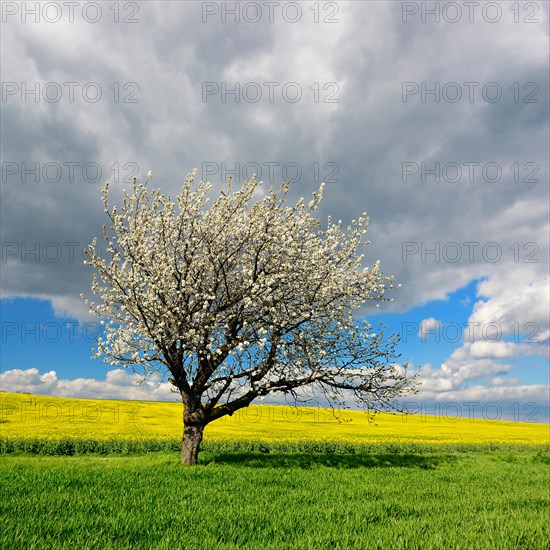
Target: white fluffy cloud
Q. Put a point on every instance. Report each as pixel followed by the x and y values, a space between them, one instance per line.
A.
pixel 513 303
pixel 118 384
pixel 427 326
pixel 510 319
pixel 535 393
pixel 440 386
pixel 28 380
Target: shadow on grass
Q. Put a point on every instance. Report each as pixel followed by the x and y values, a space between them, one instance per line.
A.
pixel 332 460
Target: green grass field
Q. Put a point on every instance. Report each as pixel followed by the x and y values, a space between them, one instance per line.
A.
pixel 77 474
pixel 479 500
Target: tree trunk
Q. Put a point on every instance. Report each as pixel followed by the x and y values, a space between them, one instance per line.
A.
pixel 193 428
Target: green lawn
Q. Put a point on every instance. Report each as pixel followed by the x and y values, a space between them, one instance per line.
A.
pixel 277 500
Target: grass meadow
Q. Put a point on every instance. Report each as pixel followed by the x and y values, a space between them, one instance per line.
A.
pixel 77 474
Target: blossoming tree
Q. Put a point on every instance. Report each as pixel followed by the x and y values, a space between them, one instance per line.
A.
pixel 239 298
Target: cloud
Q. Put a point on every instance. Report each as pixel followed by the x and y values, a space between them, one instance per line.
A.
pixel 509 320
pixel 536 393
pixel 427 326
pixel 502 381
pixel 456 374
pixel 514 303
pixel 368 134
pixel 118 384
pixel 442 386
pixel 28 380
pixel 499 350
pixel 434 234
pixel 475 362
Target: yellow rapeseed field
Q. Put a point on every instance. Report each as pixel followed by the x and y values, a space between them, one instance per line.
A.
pixel 29 416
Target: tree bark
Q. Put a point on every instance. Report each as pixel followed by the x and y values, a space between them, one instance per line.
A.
pixel 193 428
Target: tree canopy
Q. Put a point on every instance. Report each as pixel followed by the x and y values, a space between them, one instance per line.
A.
pixel 240 297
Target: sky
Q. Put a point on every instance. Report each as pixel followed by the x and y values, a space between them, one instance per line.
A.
pixel 431 117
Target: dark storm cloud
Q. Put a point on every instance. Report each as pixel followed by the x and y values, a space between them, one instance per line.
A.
pixel 369 133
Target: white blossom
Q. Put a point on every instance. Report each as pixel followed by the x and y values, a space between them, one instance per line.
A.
pixel 238 298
